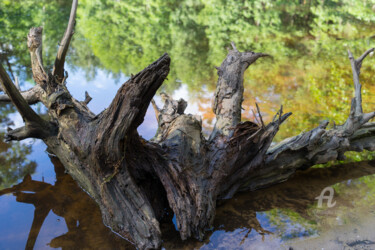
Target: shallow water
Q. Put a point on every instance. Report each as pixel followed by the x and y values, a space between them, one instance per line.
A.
pixel 309 74
pixel 61 215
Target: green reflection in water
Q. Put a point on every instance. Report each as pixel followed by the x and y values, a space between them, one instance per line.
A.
pixel 14 164
pixel 309 72
pixel 282 215
pixel 67 200
pixel 287 214
pixel 16 18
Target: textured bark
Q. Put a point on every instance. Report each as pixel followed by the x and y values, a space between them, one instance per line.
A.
pixel 229 90
pixel 31 96
pixel 135 181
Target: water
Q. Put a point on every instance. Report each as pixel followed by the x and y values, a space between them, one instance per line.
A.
pixel 282 216
pixel 309 74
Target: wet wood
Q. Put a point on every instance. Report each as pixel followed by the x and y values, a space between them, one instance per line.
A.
pixel 135 181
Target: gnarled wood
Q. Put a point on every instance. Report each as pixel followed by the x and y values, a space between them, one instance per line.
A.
pixel 31 96
pixel 35 126
pixel 135 181
pixel 34 43
pixel 229 89
pixel 129 107
pixel 320 145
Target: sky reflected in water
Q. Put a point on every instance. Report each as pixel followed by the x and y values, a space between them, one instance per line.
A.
pixel 309 74
pixel 277 217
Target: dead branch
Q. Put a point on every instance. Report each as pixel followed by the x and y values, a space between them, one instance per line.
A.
pixel 319 145
pixel 31 96
pixel 58 68
pixel 134 181
pixel 34 43
pixel 229 90
pixel 35 127
pixel 88 98
pixel 17 83
pixel 129 106
pixel 156 109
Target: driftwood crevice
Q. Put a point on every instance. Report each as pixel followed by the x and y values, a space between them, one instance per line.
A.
pixel 134 180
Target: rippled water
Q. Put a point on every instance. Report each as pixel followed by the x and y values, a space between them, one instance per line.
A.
pixel 309 73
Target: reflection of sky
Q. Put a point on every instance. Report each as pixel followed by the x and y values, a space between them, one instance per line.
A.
pixel 16 218
pixel 103 89
pixel 238 239
pixel 15 222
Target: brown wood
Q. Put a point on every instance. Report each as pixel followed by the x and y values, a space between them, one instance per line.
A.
pixel 134 181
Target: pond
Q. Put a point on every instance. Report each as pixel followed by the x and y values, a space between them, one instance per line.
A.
pixel 309 73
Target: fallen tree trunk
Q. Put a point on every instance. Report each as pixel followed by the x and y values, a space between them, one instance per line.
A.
pixel 133 180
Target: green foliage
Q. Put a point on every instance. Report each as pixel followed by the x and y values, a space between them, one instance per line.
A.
pixel 13 163
pixel 309 72
pixel 127 36
pixel 16 18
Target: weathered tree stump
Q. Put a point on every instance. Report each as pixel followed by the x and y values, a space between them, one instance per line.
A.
pixel 134 180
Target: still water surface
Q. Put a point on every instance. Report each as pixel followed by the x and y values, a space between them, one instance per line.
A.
pixel 309 73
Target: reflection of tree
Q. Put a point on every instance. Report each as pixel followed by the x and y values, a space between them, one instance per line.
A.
pixel 308 75
pixel 293 199
pixel 14 164
pixel 16 16
pixel 66 199
pixel 298 194
pixel 197 32
pixel 289 202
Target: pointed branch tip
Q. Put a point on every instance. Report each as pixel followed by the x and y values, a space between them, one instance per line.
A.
pixel 260 115
pixel 234 46
pixel 88 98
pixel 255 117
pixel 364 55
pixel 350 54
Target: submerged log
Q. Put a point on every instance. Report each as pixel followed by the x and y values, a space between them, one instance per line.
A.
pixel 135 181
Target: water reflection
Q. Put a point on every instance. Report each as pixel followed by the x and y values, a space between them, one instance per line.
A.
pixel 66 200
pixel 14 164
pixel 287 214
pixel 279 216
pixel 309 74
